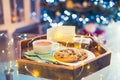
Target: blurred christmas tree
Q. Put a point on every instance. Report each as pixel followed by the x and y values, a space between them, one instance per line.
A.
pixel 80 12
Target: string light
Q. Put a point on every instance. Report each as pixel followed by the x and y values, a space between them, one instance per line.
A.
pixel 3 51
pixel 62 0
pixel 66 18
pixel 111 4
pixel 49 1
pixel 80 19
pixel 88 67
pixel 45 15
pixel 95 2
pixel 98 20
pixel 74 16
pixel 67 12
pixel 118 14
pixel 87 19
pixel 83 78
pixel 84 22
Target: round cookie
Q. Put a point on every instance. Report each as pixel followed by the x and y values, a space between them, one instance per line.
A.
pixel 70 55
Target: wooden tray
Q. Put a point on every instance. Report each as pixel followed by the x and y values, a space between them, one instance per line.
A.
pixel 58 71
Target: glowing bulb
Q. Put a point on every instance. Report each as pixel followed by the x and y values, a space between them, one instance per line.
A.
pixel 88 67
pixel 62 0
pixel 87 19
pixel 98 20
pixel 80 19
pixel 1 34
pixel 74 16
pixel 84 22
pixel 104 6
pixel 45 14
pixel 50 1
pixel 62 16
pixel 102 17
pixel 57 13
pixel 36 73
pixel 66 18
pixel 118 14
pixel 67 12
pixel 83 78
pixel 95 3
pixel 85 4
pixel 3 51
pixel 111 4
pixel 49 19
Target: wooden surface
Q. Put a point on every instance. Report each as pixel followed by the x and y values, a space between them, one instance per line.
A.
pixel 72 72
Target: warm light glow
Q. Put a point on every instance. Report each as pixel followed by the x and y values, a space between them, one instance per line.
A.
pixel 82 78
pixel 58 36
pixel 85 4
pixel 108 52
pixel 82 64
pixel 14 19
pixel 1 34
pixel 3 51
pixel 36 73
pixel 99 47
pixel 97 53
pixel 88 67
pixel 69 4
pixel 57 13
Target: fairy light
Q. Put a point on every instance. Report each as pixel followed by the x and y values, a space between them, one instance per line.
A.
pixel 45 14
pixel 1 34
pixel 111 4
pixel 74 16
pixel 66 18
pixel 36 73
pixel 84 22
pixel 80 19
pixel 67 12
pixel 98 20
pixel 101 1
pixel 118 14
pixel 3 51
pixel 82 78
pixel 88 67
pixel 50 1
pixel 95 2
pixel 86 19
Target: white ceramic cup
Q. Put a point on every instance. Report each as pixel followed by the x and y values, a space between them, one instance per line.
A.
pixel 42 46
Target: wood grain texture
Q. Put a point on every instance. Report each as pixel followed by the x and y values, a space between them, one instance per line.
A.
pixel 62 72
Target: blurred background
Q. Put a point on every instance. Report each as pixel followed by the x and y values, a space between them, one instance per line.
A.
pixel 21 19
